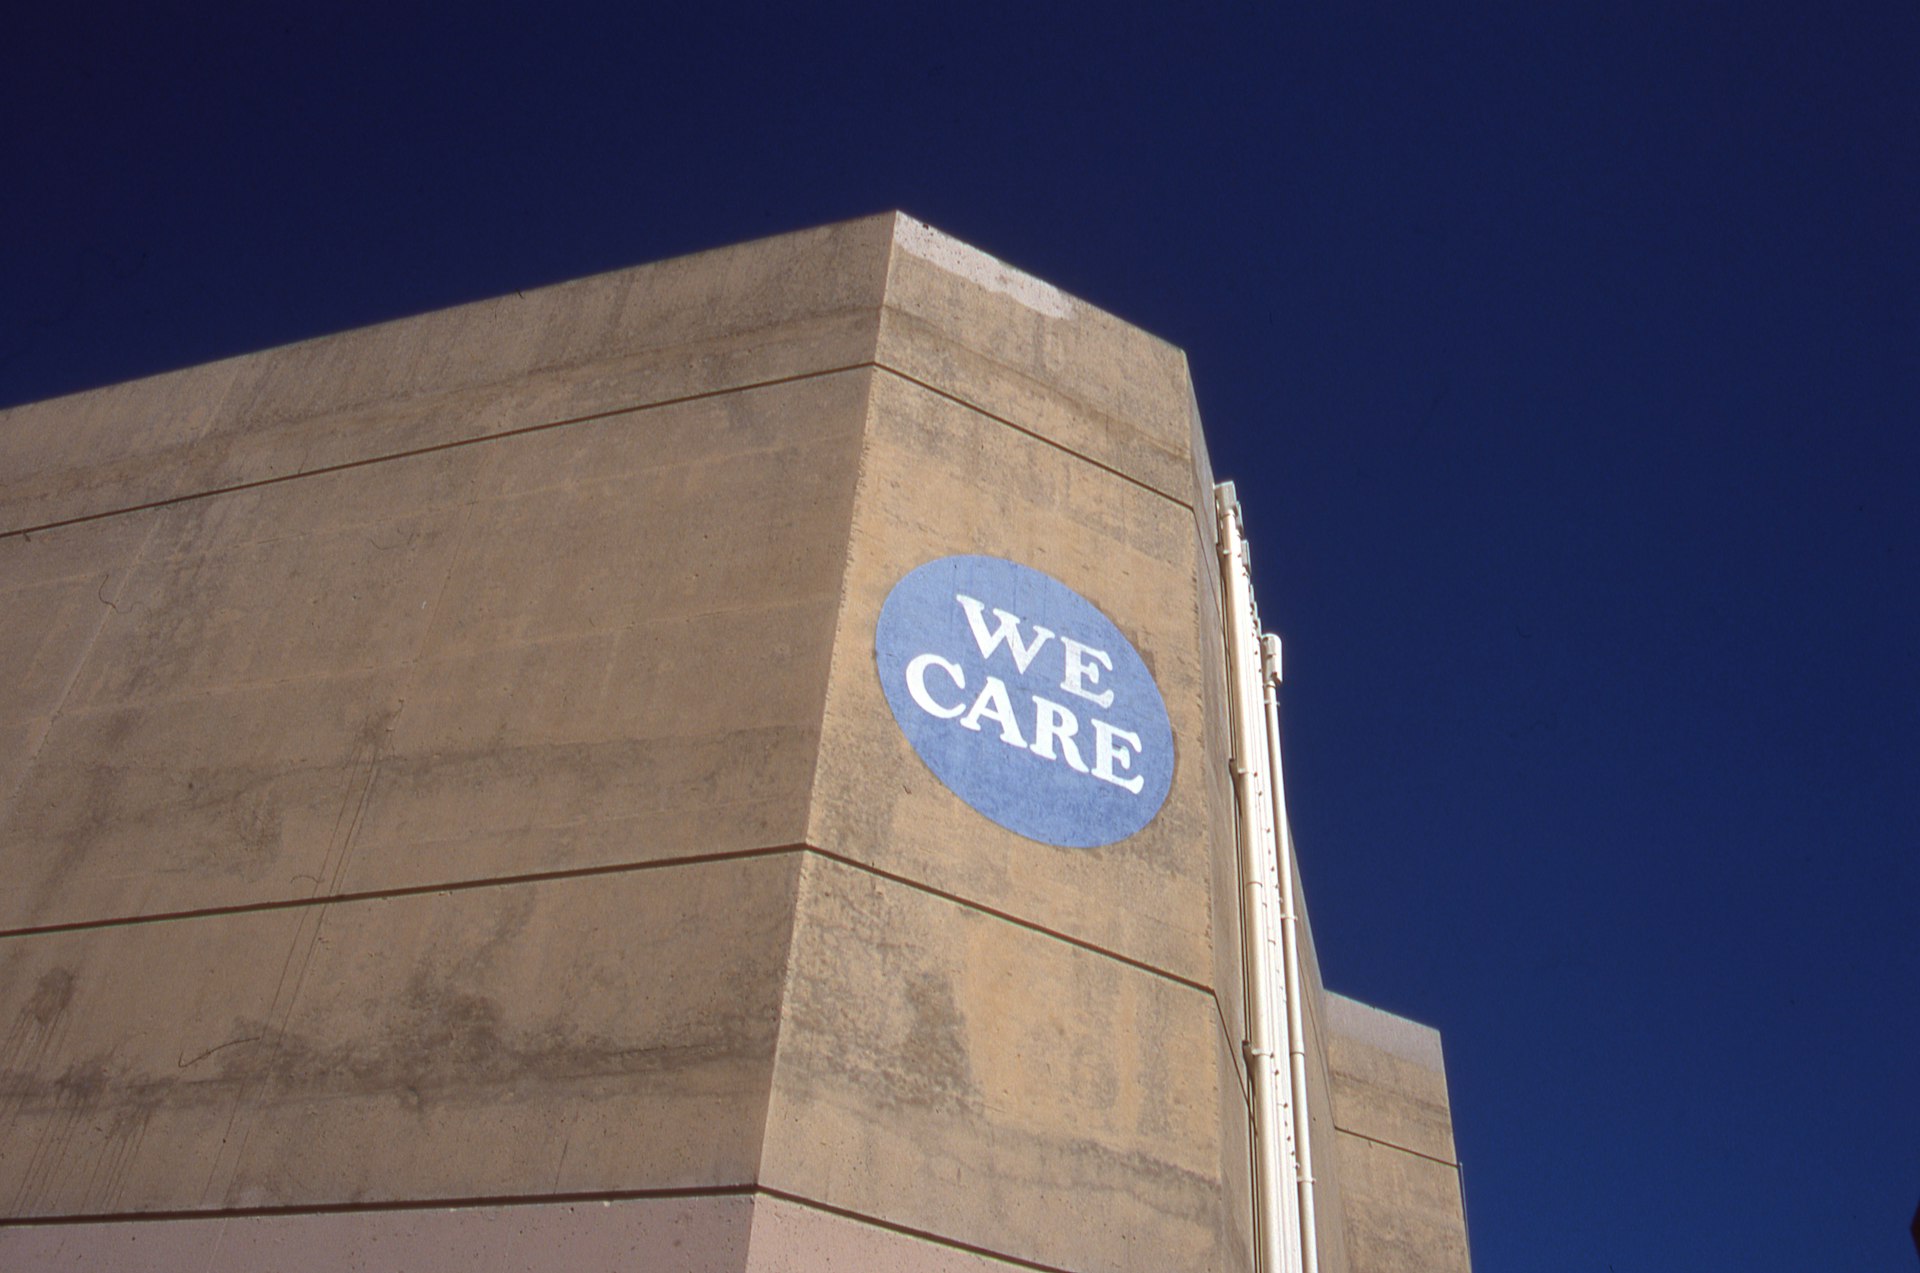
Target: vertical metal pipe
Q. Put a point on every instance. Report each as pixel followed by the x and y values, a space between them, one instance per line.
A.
pixel 1295 987
pixel 1276 1216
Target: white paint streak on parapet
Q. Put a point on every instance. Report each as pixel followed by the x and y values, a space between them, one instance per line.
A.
pixel 980 269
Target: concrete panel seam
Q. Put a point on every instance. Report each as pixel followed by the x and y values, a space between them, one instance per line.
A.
pixel 747 1191
pixel 410 890
pixel 1234 1048
pixel 1387 1144
pixel 925 1235
pixel 457 443
pixel 537 877
pixel 1038 437
pixel 785 997
pixel 800 879
pixel 1017 921
pixel 406 1204
pixel 840 596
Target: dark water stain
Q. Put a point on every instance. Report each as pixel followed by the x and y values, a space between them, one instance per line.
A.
pixel 440 1038
pixel 435 1039
pixel 51 995
pixel 914 1053
pixel 934 1056
pixel 66 1141
pixel 31 1035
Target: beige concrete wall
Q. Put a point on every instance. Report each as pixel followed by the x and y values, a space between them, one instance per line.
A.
pixel 1329 1196
pixel 1400 1178
pixel 561 649
pixel 745 1231
pixel 406 741
pixel 442 765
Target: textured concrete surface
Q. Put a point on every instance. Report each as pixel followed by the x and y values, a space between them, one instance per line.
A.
pixel 576 647
pixel 1399 1179
pixel 1389 1080
pixel 444 762
pixel 963 1075
pixel 744 1232
pixel 1402 1211
pixel 672 1235
pixel 790 1237
pixel 599 1032
pixel 940 478
pixel 1027 354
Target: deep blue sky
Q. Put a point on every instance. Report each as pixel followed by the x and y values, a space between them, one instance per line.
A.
pixel 1568 359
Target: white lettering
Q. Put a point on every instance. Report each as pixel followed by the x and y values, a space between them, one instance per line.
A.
pixel 994 704
pixel 917 685
pixel 1105 754
pixel 1081 673
pixel 1008 632
pixel 1051 721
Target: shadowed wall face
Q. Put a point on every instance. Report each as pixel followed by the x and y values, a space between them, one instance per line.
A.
pixel 445 764
pixel 407 742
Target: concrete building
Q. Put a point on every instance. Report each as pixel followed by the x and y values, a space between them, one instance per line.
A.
pixel 471 797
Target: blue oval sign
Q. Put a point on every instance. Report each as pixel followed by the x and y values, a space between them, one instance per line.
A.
pixel 1025 700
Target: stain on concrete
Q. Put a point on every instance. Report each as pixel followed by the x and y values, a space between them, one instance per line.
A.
pixel 59 1136
pixel 934 1066
pixel 69 1138
pixel 438 1040
pixel 32 1038
pixel 51 995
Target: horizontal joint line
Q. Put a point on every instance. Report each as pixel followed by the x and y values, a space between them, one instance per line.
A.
pixel 1036 436
pixel 1010 918
pixel 410 890
pixel 455 444
pixel 1387 1144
